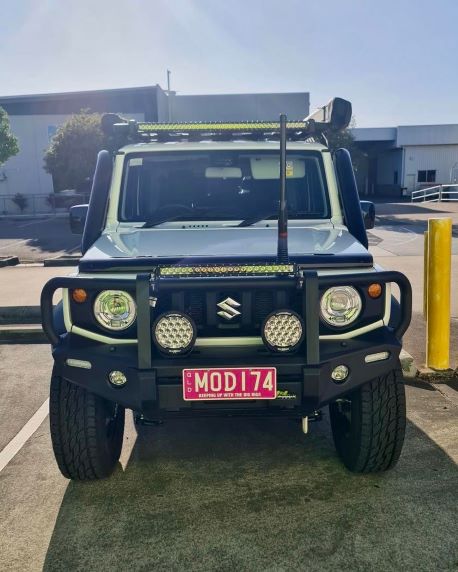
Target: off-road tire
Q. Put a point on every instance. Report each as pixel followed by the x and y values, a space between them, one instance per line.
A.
pixel 86 431
pixel 368 425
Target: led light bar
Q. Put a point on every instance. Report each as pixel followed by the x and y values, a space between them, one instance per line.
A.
pixel 333 116
pixel 229 270
pixel 242 126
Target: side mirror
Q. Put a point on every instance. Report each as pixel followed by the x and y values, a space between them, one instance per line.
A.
pixel 368 211
pixel 78 214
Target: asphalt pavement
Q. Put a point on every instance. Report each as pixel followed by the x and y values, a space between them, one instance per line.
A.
pixel 226 494
pixel 230 494
pixel 37 239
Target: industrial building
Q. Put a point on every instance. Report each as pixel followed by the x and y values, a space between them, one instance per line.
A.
pixel 406 158
pixel 35 119
pixel 397 161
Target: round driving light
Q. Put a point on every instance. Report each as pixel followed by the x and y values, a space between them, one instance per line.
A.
pixel 340 305
pixel 375 290
pixel 117 378
pixel 174 333
pixel 79 295
pixel 115 309
pixel 340 373
pixel 283 331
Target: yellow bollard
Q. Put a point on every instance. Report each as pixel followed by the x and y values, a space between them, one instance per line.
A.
pixel 438 292
pixel 425 277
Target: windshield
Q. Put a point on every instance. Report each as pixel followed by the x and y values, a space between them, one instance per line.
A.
pixel 221 185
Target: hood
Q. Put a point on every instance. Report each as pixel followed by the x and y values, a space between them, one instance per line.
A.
pixel 317 246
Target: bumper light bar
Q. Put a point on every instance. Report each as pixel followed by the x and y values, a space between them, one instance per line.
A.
pixel 227 270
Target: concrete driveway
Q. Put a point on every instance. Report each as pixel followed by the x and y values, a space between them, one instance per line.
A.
pixel 226 494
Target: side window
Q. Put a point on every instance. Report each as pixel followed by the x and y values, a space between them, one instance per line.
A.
pixel 427 176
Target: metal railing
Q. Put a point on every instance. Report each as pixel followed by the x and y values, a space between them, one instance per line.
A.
pixel 35 204
pixel 436 194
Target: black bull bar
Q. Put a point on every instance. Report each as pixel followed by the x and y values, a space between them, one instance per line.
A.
pixel 147 286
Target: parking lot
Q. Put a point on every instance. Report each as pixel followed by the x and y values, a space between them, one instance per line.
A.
pixel 226 494
pixel 229 494
pixel 36 239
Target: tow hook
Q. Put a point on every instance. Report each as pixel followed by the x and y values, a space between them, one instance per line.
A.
pixel 315 416
pixel 140 419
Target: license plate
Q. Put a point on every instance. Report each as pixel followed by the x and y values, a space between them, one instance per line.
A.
pixel 229 383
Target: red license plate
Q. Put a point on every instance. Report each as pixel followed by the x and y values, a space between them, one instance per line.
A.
pixel 229 383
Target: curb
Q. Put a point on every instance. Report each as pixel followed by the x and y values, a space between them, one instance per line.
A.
pixel 63 261
pixel 23 333
pixel 9 261
pixel 431 376
pixel 20 315
pixel 424 374
pixel 409 369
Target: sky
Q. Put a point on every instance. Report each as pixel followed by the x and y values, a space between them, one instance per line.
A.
pixel 395 60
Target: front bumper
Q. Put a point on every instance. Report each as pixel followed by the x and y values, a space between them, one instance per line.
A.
pixel 154 385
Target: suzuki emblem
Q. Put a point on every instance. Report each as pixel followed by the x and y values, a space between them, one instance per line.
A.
pixel 228 309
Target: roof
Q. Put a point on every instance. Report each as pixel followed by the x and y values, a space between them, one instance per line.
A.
pixel 71 94
pixel 141 100
pixel 374 133
pixel 405 135
pixel 222 145
pixel 427 135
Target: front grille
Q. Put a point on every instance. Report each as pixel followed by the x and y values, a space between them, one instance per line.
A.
pixel 255 306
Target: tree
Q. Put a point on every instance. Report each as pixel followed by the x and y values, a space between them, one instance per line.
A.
pixel 8 142
pixel 346 139
pixel 72 155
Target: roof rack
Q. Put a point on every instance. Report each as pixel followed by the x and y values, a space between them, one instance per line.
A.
pixel 333 116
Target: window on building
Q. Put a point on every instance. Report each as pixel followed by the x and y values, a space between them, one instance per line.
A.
pixel 427 176
pixel 395 178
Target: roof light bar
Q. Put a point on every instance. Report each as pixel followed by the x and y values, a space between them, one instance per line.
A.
pixel 241 126
pixel 333 116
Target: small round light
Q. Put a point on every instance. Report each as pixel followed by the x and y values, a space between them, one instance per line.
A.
pixel 283 331
pixel 174 333
pixel 340 305
pixel 375 290
pixel 79 295
pixel 117 378
pixel 115 309
pixel 340 373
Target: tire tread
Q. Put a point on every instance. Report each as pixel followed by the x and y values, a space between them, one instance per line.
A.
pixel 77 446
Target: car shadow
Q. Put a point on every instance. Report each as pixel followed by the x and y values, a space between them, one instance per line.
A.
pixel 47 234
pixel 232 494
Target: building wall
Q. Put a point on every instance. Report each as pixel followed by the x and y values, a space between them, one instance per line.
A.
pixel 24 173
pixel 387 164
pixel 441 158
pixel 239 107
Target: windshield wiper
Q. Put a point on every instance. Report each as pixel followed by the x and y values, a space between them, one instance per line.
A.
pixel 270 214
pixel 157 221
pixel 255 219
pixel 186 214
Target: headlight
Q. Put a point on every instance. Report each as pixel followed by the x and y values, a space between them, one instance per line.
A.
pixel 283 331
pixel 115 309
pixel 340 305
pixel 174 333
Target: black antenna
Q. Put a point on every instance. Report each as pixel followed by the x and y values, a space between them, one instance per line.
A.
pixel 282 248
